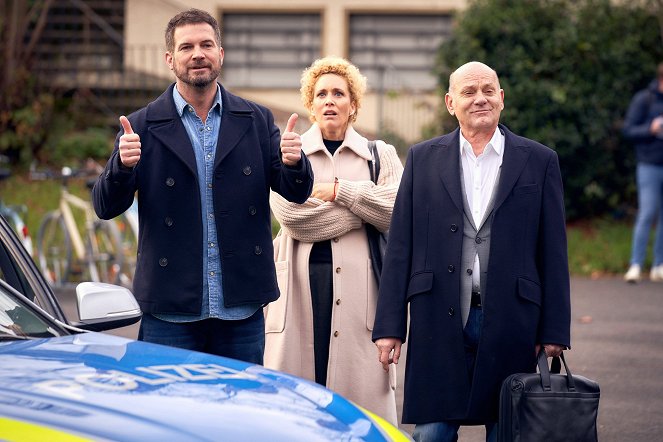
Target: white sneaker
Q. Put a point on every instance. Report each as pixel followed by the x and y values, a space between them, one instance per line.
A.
pixel 633 274
pixel 656 274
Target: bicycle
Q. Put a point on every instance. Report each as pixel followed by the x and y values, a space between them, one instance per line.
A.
pixel 62 250
pixel 14 214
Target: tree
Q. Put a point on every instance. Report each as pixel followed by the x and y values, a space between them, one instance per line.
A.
pixel 25 110
pixel 569 69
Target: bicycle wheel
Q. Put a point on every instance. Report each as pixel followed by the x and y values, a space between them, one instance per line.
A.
pixel 129 240
pixel 54 249
pixel 104 252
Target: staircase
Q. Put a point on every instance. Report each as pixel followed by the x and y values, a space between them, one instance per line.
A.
pixel 81 54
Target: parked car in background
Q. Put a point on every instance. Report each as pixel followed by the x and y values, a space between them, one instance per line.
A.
pixel 66 381
pixel 15 214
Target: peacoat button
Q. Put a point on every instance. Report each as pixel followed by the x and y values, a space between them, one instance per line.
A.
pixel 163 262
pixel 298 181
pixel 451 268
pixel 338 301
pixel 247 170
pixel 252 210
pixel 168 221
pixel 454 228
pixel 338 270
pixel 477 240
pixel 170 182
pixel 451 311
pixel 336 334
pixel 257 250
pixel 469 271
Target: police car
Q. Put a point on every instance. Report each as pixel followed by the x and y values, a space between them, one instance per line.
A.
pixel 62 381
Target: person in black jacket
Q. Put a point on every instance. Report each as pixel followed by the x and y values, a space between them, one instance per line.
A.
pixel 203 162
pixel 476 260
pixel 643 125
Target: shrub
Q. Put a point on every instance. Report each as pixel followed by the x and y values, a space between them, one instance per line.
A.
pixel 75 148
pixel 569 69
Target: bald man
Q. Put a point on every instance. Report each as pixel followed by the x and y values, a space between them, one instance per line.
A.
pixel 477 251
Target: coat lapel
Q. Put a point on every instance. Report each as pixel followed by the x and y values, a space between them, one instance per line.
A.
pixel 515 158
pixel 166 126
pixel 312 142
pixel 236 120
pixel 449 169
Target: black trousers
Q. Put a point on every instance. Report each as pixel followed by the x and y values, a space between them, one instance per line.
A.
pixel 322 294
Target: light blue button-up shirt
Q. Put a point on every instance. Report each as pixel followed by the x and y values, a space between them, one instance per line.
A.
pixel 204 137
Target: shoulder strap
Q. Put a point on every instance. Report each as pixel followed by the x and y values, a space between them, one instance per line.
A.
pixel 374 162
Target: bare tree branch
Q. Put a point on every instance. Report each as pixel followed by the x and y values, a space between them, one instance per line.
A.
pixel 36 33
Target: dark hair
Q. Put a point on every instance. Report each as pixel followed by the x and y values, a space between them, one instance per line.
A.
pixel 190 17
pixel 659 70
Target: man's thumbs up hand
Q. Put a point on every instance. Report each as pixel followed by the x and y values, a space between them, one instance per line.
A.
pixel 291 123
pixel 291 143
pixel 126 125
pixel 129 144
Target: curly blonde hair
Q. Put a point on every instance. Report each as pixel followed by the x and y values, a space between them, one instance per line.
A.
pixel 338 66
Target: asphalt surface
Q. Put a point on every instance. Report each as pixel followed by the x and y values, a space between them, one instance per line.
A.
pixel 616 339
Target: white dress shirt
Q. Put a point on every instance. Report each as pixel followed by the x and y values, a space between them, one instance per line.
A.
pixel 479 176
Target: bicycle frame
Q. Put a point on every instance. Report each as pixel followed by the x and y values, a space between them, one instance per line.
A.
pixel 85 252
pixel 65 250
pixel 66 201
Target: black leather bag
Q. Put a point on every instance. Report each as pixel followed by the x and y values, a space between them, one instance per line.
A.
pixel 545 407
pixel 377 241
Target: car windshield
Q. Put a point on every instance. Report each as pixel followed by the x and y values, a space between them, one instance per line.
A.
pixel 19 320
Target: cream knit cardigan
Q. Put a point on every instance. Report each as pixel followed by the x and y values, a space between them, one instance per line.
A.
pixel 357 201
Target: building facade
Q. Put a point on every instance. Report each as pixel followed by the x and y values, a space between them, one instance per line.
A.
pixel 267 45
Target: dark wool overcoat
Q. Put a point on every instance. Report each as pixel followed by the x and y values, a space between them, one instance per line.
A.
pixel 526 300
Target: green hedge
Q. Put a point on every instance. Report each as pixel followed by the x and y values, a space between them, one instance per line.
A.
pixel 569 69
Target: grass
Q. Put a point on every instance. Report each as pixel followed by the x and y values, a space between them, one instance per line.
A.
pixel 599 247
pixel 596 247
pixel 40 197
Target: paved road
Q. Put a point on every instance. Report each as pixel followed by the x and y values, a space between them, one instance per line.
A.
pixel 617 340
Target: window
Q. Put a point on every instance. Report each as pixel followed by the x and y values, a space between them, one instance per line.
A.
pixel 12 274
pixel 268 50
pixel 397 51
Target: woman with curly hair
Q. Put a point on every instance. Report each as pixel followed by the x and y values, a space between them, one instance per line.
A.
pixel 320 327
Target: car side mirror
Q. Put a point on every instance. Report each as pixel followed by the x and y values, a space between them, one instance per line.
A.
pixel 104 306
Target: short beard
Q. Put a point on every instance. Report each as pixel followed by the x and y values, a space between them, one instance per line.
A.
pixel 198 82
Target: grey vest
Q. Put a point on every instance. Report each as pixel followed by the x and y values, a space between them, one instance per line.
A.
pixel 475 241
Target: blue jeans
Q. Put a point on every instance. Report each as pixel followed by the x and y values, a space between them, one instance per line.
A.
pixel 241 339
pixel 650 206
pixel 448 431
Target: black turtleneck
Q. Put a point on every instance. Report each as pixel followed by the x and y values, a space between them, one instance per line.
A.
pixel 321 251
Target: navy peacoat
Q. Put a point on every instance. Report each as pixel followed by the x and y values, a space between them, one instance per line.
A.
pixel 168 276
pixel 527 295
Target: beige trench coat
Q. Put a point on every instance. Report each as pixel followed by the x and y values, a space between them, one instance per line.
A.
pixel 353 370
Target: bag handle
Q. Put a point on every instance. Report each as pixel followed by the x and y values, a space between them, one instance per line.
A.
pixel 555 368
pixel 374 162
